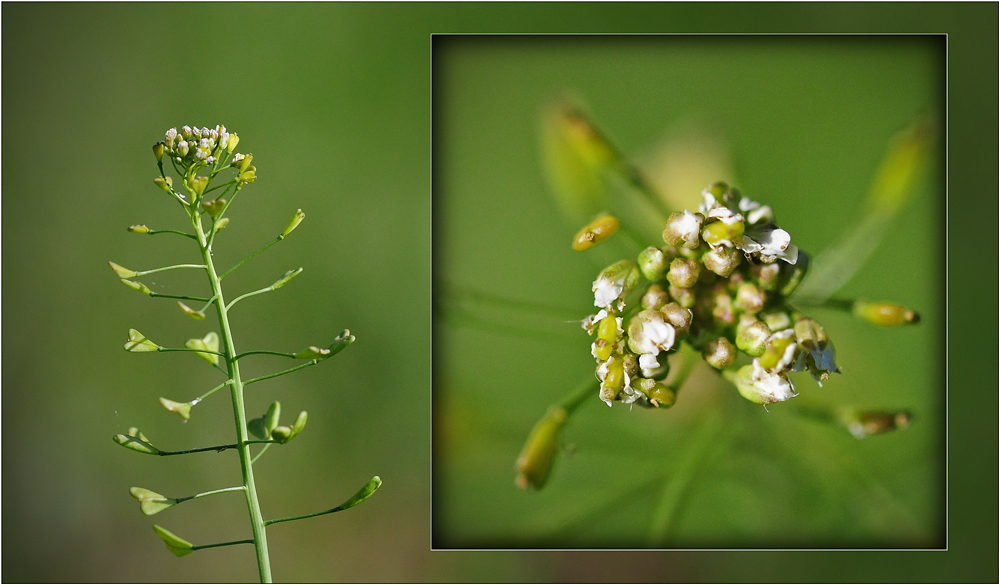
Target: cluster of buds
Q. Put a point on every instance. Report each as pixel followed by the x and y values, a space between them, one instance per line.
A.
pixel 193 149
pixel 721 285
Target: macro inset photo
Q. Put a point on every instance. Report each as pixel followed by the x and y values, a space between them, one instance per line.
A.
pixel 689 292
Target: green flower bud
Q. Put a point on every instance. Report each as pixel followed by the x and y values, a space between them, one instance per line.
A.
pixel 134 285
pixel 210 343
pixel 534 464
pixel 654 297
pixel 158 149
pixel 595 232
pixel 196 315
pixel 683 272
pixel 247 177
pixel 294 223
pixel 136 441
pixel 121 271
pixel 181 409
pixel 777 321
pixel 175 544
pixel 164 183
pixel 752 340
pixel 138 229
pixel 719 232
pixel 652 263
pixel 151 502
pixel 683 229
pixel 245 162
pixel 362 494
pixel 679 317
pixel 885 314
pixel 685 297
pixel 186 132
pixel 138 343
pixel 615 282
pixel 285 278
pixel 722 260
pixel 221 224
pixel 659 394
pixel 750 299
pixel 183 148
pixel 719 353
pixel 233 141
pixel 198 185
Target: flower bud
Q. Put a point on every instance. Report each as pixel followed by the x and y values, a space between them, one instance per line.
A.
pixel 208 343
pixel 650 333
pixel 615 282
pixel 750 299
pixel 885 314
pixel 722 232
pixel 136 441
pixel 196 315
pixel 678 317
pixel 652 263
pixel 777 321
pixel 121 271
pixel 722 260
pixel 158 149
pixel 285 278
pixel 186 132
pixel 534 464
pixel 654 297
pixel 164 183
pixel 138 229
pixel 362 494
pixel 245 162
pixel 135 285
pixel 182 409
pixel 752 340
pixel 719 353
pixel 294 223
pixel 151 502
pixel 183 148
pixel 761 387
pixel 169 137
pixel 685 297
pixel 660 395
pixel 221 224
pixel 233 141
pixel 683 229
pixel 595 232
pixel 247 177
pixel 175 544
pixel 683 272
pixel 722 307
pixel 766 275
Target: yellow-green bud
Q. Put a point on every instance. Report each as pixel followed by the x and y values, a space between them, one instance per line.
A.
pixel 652 263
pixel 654 297
pixel 182 409
pixel 613 381
pixel 595 232
pixel 534 464
pixel 777 321
pixel 158 149
pixel 722 260
pixel 721 231
pixel 885 314
pixel 198 185
pixel 135 285
pixel 684 272
pixel 247 177
pixel 719 353
pixel 245 163
pixel 609 332
pixel 752 340
pixel 138 229
pixel 121 271
pixel 164 183
pixel 660 395
pixel 294 223
pixel 750 299
pixel 233 141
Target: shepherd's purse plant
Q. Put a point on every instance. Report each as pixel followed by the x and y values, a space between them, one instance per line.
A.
pixel 199 156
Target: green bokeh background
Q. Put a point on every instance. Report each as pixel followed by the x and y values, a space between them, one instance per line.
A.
pixel 335 103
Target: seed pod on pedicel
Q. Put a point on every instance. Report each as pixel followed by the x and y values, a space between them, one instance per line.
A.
pixel 534 464
pixel 294 223
pixel 595 232
pixel 151 502
pixel 885 314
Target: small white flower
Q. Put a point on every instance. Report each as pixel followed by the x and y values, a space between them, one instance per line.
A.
pixel 762 387
pixel 606 291
pixel 171 134
pixel 591 321
pixel 769 243
pixel 755 212
pixel 708 201
pixel 201 152
pixel 237 157
pixel 725 215
pixel 683 228
pixel 614 283
pixel 650 333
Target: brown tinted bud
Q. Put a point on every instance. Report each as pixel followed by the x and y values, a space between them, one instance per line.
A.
pixel 750 299
pixel 654 297
pixel 685 297
pixel 766 275
pixel 752 340
pixel 595 232
pixel 679 317
pixel 722 260
pixel 683 272
pixel 719 353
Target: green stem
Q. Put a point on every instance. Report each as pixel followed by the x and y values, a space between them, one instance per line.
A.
pixel 239 413
pixel 186 235
pixel 230 543
pixel 212 391
pixel 209 493
pixel 263 352
pixel 251 256
pixel 216 448
pixel 259 453
pixel 249 294
pixel 302 517
pixel 165 268
pixel 188 349
pixel 283 372
pixel 182 297
pixel 579 395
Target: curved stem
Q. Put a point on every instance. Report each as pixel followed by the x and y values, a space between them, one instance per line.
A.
pixel 283 372
pixel 181 297
pixel 239 412
pixel 251 256
pixel 212 391
pixel 188 349
pixel 165 268
pixel 248 295
pixel 179 233
pixel 209 493
pixel 303 516
pixel 259 453
pixel 263 352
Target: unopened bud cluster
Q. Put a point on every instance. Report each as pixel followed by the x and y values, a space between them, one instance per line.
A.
pixel 719 284
pixel 192 149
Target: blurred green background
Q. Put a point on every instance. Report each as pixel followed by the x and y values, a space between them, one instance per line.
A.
pixel 798 123
pixel 335 103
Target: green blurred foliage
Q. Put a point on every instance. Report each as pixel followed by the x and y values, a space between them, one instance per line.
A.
pixel 808 120
pixel 334 101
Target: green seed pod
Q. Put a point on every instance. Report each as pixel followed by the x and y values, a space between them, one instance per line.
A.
pixel 752 340
pixel 221 224
pixel 312 352
pixel 138 229
pixel 135 285
pixel 609 332
pixel 652 263
pixel 214 208
pixel 362 494
pixel 181 409
pixel 654 297
pixel 613 380
pixel 158 149
pixel 151 502
pixel 196 315
pixel 722 260
pixel 659 394
pixel 138 343
pixel 247 177
pixel 136 441
pixel 121 271
pixel 208 343
pixel 198 185
pixel 534 464
pixel 175 544
pixel 719 353
pixel 865 423
pixel 683 272
pixel 285 278
pixel 271 417
pixel 595 232
pixel 885 314
pixel 683 229
pixel 294 223
pixel 750 299
pixel 164 183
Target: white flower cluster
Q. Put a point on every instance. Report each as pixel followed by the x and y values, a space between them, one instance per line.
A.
pixel 199 144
